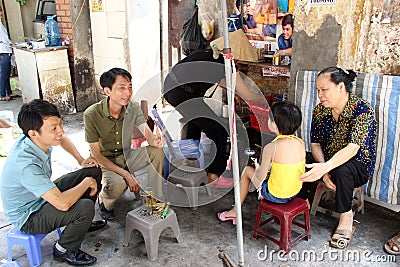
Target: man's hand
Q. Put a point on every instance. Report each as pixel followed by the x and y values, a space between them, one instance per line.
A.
pixel 316 172
pixel 5 124
pixel 89 162
pixel 157 139
pixel 131 182
pixel 92 186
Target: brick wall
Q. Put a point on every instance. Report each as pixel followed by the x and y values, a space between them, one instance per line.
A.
pixel 65 27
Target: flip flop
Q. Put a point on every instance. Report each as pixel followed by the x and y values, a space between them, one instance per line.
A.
pixel 221 216
pixel 14 95
pixel 222 182
pixel 341 238
pixel 389 249
pixel 6 98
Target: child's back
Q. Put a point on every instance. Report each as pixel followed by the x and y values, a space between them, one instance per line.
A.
pixel 289 150
pixel 288 163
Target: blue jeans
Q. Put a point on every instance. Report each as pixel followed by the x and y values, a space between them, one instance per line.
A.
pixel 5 69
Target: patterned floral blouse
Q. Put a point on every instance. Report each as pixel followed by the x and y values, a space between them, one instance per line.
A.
pixel 355 125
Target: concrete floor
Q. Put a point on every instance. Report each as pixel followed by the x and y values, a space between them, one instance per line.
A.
pixel 204 236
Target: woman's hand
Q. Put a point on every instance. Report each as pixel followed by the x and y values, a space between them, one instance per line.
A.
pixel 328 182
pixel 316 172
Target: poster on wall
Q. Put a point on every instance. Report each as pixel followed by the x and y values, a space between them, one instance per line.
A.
pixel 97 6
pixel 260 17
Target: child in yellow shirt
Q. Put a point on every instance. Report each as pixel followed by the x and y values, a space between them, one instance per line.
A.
pixel 283 159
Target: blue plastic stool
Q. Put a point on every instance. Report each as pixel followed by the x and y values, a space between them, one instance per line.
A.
pixel 11 264
pixel 30 242
pixel 188 148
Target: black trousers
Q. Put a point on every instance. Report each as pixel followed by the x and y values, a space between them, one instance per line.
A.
pixel 76 220
pixel 349 175
pixel 200 117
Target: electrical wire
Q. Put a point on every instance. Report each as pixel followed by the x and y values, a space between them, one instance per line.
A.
pixel 79 14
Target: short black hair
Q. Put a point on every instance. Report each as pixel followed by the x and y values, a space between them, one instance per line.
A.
pixel 107 79
pixel 31 115
pixel 338 75
pixel 288 19
pixel 287 116
pixel 238 3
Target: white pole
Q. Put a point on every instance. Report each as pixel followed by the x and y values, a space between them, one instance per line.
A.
pixel 235 162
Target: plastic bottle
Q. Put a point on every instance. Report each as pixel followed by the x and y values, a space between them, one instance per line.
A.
pixel 165 210
pixel 52 32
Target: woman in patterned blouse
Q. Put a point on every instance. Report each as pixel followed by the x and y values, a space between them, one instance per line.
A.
pixel 343 136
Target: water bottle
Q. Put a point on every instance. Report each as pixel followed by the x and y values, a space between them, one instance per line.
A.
pixel 52 33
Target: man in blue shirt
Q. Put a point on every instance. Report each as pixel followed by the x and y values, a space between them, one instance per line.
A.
pixel 285 39
pixel 36 205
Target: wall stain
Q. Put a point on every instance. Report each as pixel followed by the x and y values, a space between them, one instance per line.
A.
pixel 370 38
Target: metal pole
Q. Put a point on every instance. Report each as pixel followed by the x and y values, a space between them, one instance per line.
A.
pixel 235 162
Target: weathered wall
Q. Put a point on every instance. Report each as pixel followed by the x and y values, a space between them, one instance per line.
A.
pixel 14 24
pixel 83 72
pixel 362 35
pixel 382 45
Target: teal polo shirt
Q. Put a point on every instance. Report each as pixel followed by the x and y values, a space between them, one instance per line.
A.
pixel 113 135
pixel 25 178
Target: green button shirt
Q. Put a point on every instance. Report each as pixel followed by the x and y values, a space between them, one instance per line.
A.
pixel 114 135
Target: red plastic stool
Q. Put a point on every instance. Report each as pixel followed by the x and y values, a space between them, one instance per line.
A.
pixel 285 213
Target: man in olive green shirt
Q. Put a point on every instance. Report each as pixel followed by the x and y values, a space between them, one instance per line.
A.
pixel 108 129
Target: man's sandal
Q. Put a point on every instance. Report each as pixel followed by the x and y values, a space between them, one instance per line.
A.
pixel 341 238
pixel 393 242
pixel 6 98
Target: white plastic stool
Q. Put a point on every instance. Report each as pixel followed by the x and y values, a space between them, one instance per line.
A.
pixel 189 179
pixel 150 226
pixel 323 192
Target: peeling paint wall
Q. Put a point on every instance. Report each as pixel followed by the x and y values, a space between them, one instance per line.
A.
pixel 382 53
pixel 345 13
pixel 363 35
pixel 83 71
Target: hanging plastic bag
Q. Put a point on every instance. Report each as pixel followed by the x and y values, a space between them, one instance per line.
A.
pixel 207 25
pixel 191 37
pixel 206 19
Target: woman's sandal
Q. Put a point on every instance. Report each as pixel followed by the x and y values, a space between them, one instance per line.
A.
pixel 223 218
pixel 394 241
pixel 341 238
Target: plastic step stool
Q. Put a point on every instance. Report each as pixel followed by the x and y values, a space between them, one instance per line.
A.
pixel 323 192
pixel 150 226
pixel 284 213
pixel 189 179
pixel 31 243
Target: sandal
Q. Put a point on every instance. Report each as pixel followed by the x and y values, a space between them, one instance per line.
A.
pixel 222 182
pixel 394 241
pixel 6 98
pixel 341 238
pixel 221 216
pixel 14 95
